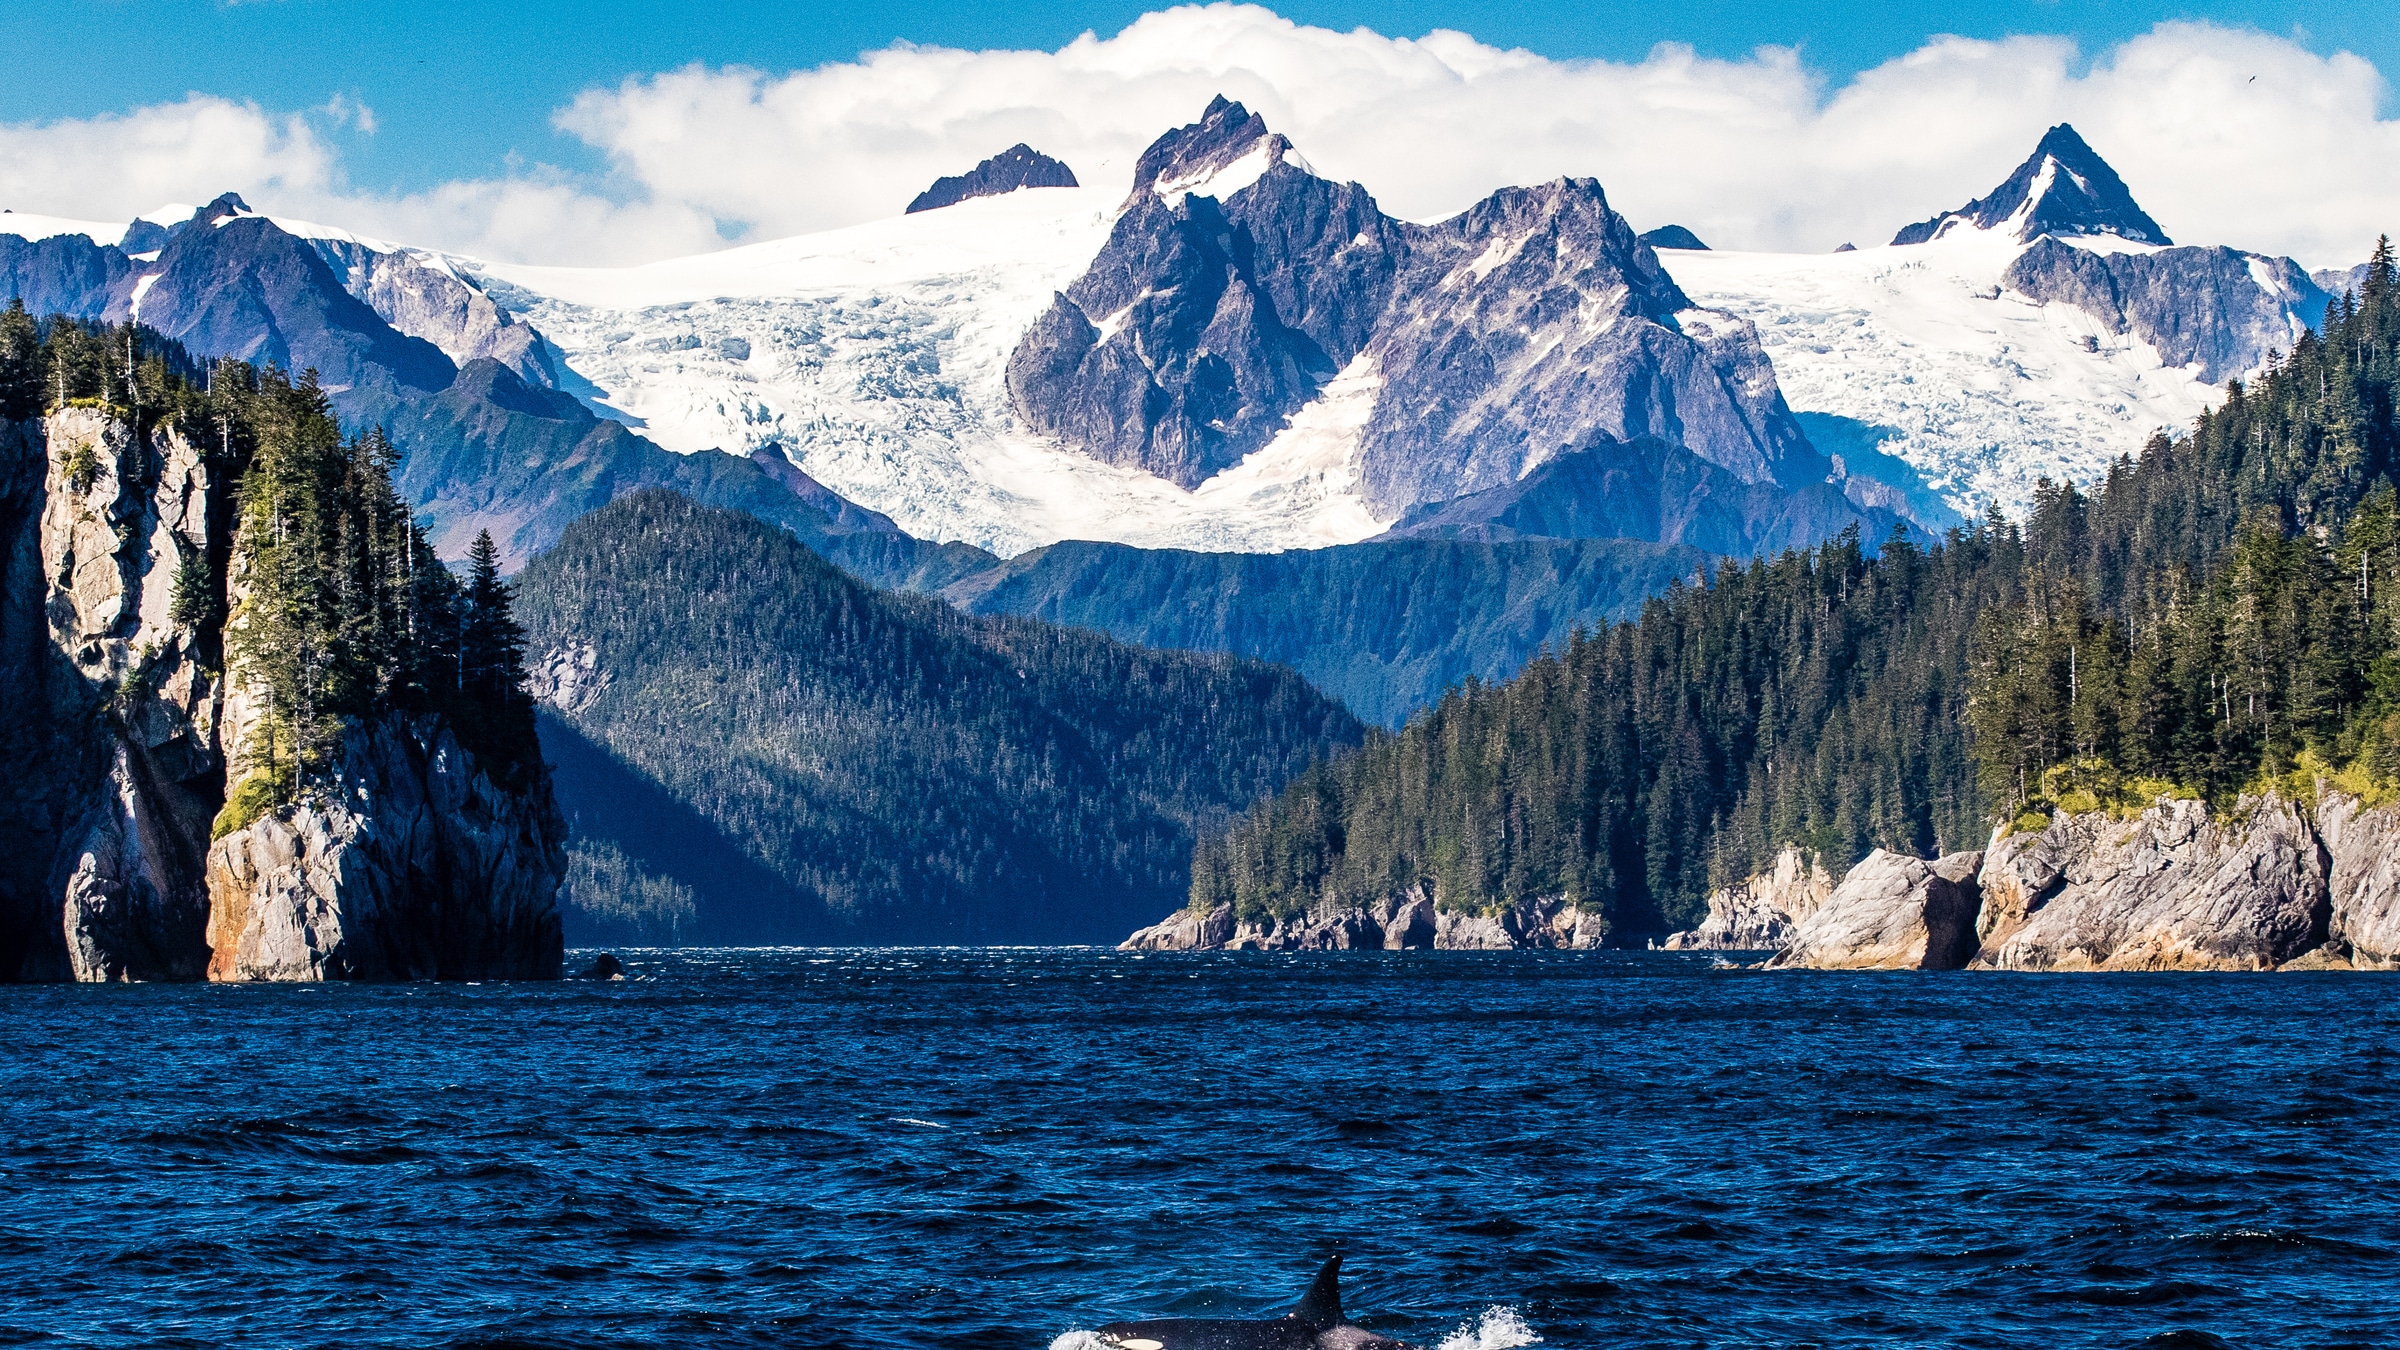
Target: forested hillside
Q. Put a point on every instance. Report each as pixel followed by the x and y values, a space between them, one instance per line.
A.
pixel 753 747
pixel 2214 610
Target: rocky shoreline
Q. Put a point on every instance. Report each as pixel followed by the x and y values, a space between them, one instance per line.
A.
pixel 2277 884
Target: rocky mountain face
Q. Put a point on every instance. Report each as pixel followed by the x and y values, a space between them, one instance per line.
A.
pixel 419 295
pixel 2276 884
pixel 2064 188
pixel 121 729
pixel 2216 309
pixel 1019 166
pixel 1237 284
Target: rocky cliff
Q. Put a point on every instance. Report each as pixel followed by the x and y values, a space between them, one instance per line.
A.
pixel 2274 884
pixel 1019 166
pixel 119 735
pixel 2217 310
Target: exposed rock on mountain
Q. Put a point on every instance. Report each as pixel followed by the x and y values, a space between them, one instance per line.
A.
pixel 1673 236
pixel 2063 189
pixel 233 284
pixel 2362 848
pixel 66 274
pixel 1763 913
pixel 1019 166
pixel 1892 912
pixel 1405 922
pixel 1237 284
pixel 420 295
pixel 409 863
pixel 2214 309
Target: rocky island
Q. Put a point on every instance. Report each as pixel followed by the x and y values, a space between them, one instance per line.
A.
pixel 256 730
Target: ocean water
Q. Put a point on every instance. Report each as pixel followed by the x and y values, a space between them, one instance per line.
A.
pixel 999 1148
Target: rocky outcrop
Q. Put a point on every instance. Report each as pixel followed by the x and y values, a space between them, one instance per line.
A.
pixel 1404 922
pixel 116 744
pixel 1892 912
pixel 1763 913
pixel 1019 166
pixel 407 861
pixel 2275 884
pixel 2362 854
pixel 2216 310
pixel 2064 189
pixel 1237 284
pixel 2171 889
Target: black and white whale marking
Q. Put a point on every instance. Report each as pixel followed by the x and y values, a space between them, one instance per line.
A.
pixel 1315 1325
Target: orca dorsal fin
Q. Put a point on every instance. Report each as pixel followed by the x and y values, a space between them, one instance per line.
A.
pixel 1320 1309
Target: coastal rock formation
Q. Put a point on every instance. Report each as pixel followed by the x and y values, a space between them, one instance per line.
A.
pixel 115 751
pixel 2171 889
pixel 407 862
pixel 2275 884
pixel 1410 921
pixel 2362 848
pixel 1893 912
pixel 1763 913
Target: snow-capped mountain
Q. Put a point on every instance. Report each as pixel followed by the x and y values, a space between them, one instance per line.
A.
pixel 1239 354
pixel 2042 331
pixel 2064 188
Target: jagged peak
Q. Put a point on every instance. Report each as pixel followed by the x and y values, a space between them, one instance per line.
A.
pixel 228 206
pixel 2064 188
pixel 1227 150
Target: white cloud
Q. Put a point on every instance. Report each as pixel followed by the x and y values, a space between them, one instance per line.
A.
pixel 2224 135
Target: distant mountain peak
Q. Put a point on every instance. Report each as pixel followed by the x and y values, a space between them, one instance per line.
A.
pixel 227 206
pixel 1673 236
pixel 1019 166
pixel 2064 189
pixel 1227 150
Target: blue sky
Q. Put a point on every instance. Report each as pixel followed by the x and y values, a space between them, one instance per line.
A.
pixel 460 89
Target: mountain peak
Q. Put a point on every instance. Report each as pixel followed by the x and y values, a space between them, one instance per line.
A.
pixel 1019 166
pixel 2063 189
pixel 229 204
pixel 1227 150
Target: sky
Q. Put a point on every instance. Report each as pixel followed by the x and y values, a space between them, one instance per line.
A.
pixel 610 132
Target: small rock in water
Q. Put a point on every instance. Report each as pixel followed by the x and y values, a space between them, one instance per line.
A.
pixel 605 966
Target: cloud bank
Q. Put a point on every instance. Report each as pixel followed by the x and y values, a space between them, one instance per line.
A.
pixel 2225 135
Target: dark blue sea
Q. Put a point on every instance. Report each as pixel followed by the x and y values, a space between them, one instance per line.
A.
pixel 997 1148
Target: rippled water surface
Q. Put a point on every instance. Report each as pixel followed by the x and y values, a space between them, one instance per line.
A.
pixel 996 1148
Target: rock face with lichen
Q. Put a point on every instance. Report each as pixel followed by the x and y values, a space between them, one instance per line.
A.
pixel 410 861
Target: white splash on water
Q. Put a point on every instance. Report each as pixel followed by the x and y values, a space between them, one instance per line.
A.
pixel 1500 1328
pixel 1080 1340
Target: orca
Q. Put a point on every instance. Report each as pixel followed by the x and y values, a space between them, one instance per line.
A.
pixel 1315 1325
